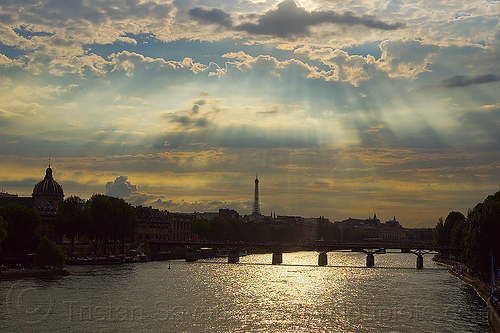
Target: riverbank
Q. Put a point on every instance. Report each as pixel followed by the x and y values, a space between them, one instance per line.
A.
pixel 460 271
pixel 482 288
pixel 20 273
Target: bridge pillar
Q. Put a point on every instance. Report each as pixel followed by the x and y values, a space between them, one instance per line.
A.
pixel 370 260
pixel 420 261
pixel 277 257
pixel 233 256
pixel 322 259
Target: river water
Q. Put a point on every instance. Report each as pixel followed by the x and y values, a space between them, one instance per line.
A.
pixel 252 296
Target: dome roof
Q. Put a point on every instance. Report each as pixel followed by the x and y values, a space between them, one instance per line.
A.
pixel 48 186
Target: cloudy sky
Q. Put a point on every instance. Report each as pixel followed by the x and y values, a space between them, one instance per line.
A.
pixel 344 108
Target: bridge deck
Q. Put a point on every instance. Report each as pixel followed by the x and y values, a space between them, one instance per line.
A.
pixel 320 246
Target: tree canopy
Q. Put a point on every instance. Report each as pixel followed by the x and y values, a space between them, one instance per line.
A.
pixel 327 230
pixel 482 234
pixel 450 231
pixel 72 219
pixel 476 235
pixel 3 229
pixel 110 219
pixel 49 254
pixel 222 229
pixel 23 228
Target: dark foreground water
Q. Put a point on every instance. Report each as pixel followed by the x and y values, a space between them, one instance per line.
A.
pixel 247 297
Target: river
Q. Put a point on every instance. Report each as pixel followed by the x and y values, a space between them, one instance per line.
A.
pixel 252 296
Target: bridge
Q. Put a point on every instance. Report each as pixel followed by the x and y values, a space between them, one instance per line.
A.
pixel 419 249
pixel 371 248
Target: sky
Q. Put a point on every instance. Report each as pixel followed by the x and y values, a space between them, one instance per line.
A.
pixel 343 108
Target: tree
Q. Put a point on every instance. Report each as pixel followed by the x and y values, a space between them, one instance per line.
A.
pixel 257 231
pixel 236 229
pixel 449 232
pixel 353 235
pixel 439 237
pixel 124 221
pixel 287 232
pixel 219 229
pixel 111 219
pixel 99 209
pixel 482 234
pixel 453 227
pixel 71 219
pixel 201 227
pixel 49 253
pixel 23 228
pixel 3 230
pixel 327 230
pixel 263 231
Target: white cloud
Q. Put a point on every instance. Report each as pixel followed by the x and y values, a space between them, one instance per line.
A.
pixel 120 187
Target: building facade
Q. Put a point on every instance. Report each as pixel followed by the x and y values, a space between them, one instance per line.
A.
pixel 162 226
pixel 371 229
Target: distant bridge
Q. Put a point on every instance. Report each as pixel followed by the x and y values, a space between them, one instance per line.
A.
pixel 370 248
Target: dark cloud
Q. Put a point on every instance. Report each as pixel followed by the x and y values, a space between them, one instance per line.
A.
pixel 268 112
pixel 459 81
pixel 289 20
pixel 195 109
pixel 120 188
pixel 187 120
pixel 211 16
pixel 184 120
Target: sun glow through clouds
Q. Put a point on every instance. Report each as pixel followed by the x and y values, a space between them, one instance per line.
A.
pixel 344 108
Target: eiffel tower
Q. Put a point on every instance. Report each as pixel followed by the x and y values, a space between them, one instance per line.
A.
pixel 256 207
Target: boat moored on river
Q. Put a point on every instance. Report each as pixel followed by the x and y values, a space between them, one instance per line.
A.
pixel 109 260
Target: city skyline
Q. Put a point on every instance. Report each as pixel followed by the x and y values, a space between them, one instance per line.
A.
pixel 343 109
pixel 113 189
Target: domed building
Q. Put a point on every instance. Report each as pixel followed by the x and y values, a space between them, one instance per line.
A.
pixel 46 197
pixel 47 194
